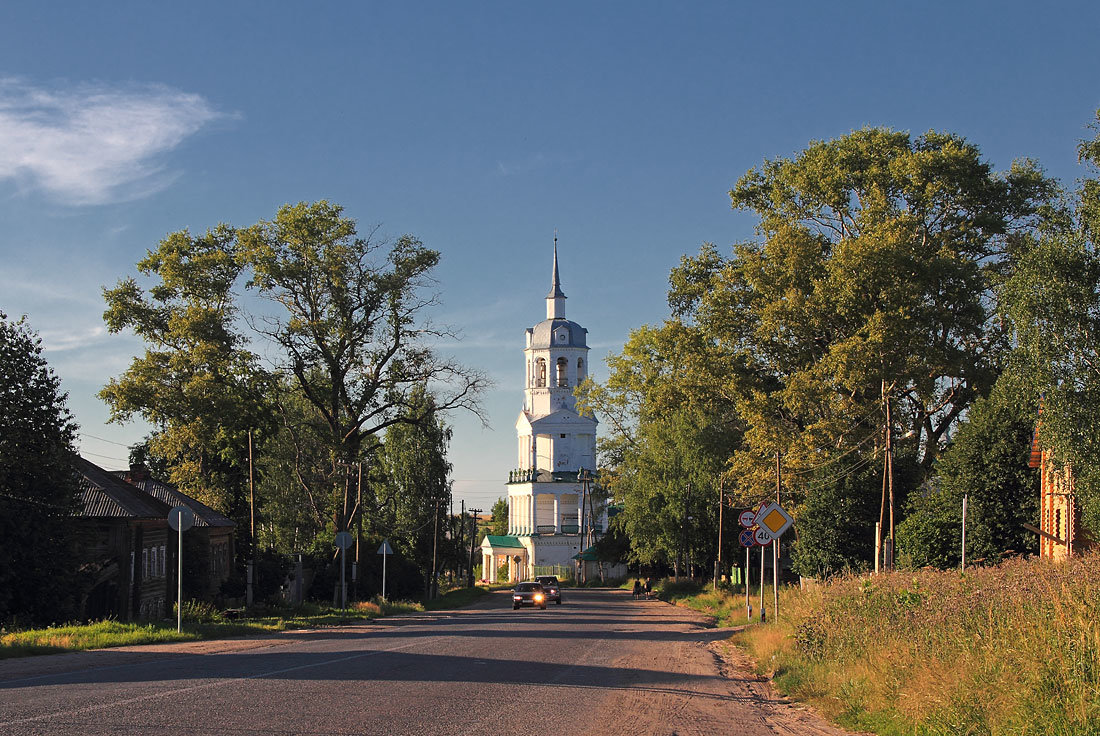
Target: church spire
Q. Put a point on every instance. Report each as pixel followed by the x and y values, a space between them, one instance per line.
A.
pixel 555 300
pixel 555 286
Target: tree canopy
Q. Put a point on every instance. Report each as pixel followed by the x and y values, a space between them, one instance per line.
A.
pixel 38 486
pixel 338 354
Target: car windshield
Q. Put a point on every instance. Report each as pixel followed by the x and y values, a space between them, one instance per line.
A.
pixel 528 587
pixel 548 581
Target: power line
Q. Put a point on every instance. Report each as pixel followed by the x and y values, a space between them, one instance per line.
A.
pixel 102 439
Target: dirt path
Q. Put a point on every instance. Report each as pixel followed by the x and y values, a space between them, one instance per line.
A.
pixel 713 687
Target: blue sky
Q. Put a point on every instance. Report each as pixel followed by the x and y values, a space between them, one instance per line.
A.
pixel 480 128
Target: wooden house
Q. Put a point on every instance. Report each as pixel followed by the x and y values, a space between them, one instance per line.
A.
pixel 125 547
pixel 211 537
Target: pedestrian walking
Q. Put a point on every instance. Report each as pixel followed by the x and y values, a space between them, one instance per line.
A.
pixel 637 588
pixel 648 587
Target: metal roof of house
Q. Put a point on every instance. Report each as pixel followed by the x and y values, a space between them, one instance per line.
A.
pixel 105 495
pixel 504 542
pixel 204 515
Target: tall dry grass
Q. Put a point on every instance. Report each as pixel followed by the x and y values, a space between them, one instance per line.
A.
pixel 1012 649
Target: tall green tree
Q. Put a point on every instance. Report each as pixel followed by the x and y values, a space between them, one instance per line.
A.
pixel 669 405
pixel 1051 299
pixel 198 383
pixel 987 461
pixel 869 286
pixel 38 485
pixel 499 520
pixel 352 328
pixel 416 492
pixel 346 330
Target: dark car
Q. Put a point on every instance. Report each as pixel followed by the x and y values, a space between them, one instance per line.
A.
pixel 551 586
pixel 528 594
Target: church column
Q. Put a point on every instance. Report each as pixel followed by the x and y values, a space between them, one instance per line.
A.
pixel 534 512
pixel 530 517
pixel 557 514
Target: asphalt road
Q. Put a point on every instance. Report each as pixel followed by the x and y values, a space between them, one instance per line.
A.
pixel 601 663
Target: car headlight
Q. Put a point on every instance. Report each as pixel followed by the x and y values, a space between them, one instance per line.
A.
pixel 517 597
pixel 538 596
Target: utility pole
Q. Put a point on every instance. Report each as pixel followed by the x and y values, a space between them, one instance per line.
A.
pixel 775 546
pixel 473 542
pixel 358 514
pixel 721 503
pixel 583 475
pixel 252 514
pixel 890 486
pixel 435 542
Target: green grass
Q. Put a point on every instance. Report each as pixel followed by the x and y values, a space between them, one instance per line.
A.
pixel 1011 649
pixel 458 598
pixel 204 623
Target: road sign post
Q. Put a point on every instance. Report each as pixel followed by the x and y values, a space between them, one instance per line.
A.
pixel 385 550
pixel 771 521
pixel 181 519
pixel 343 540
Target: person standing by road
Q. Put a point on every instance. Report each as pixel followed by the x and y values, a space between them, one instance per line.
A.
pixel 648 587
pixel 637 588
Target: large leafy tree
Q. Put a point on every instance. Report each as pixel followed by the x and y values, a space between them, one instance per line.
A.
pixel 987 461
pixel 416 492
pixel 668 403
pixel 38 487
pixel 352 328
pixel 1052 301
pixel 345 340
pixel 867 294
pixel 198 383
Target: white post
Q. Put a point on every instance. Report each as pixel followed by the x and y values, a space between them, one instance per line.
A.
pixel 748 603
pixel 179 585
pixel 384 573
pixel 557 514
pixel 964 533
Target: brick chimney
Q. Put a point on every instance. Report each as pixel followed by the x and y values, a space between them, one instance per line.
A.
pixel 138 473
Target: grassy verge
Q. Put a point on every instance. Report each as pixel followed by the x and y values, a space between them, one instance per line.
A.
pixel 1013 649
pixel 459 597
pixel 199 623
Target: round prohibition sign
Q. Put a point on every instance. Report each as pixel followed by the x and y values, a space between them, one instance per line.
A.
pixel 747 538
pixel 747 518
pixel 762 536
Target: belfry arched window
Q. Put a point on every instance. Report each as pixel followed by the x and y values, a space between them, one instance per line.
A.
pixel 563 368
pixel 580 370
pixel 540 373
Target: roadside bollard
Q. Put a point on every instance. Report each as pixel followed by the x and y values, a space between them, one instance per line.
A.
pixel 763 615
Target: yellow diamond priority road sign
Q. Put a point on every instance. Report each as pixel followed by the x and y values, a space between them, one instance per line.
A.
pixel 773 518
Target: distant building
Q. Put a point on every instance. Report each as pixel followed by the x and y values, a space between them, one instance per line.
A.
pixel 1061 533
pixel 547 506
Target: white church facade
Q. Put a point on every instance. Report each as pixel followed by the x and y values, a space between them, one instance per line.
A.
pixel 549 492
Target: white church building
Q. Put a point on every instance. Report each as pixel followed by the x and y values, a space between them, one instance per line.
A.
pixel 556 451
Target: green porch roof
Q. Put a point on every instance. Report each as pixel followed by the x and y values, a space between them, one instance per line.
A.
pixel 503 541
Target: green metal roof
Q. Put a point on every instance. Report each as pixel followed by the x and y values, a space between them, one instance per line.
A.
pixel 503 541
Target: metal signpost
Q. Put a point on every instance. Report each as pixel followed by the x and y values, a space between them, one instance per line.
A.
pixel 747 538
pixel 771 521
pixel 343 541
pixel 385 549
pixel 181 519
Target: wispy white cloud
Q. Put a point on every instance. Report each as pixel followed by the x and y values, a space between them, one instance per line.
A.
pixel 94 143
pixel 72 339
